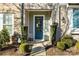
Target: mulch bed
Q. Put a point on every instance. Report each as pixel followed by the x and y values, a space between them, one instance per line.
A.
pixel 10 50
pixel 52 51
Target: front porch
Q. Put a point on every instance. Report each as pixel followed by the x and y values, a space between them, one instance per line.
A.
pixel 38 22
pixel 42 19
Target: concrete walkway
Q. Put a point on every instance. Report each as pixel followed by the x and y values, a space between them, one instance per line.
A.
pixel 38 50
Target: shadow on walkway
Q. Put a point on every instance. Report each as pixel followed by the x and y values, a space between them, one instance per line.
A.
pixel 40 50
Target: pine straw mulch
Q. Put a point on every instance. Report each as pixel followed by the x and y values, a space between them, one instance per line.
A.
pixel 52 51
pixel 10 50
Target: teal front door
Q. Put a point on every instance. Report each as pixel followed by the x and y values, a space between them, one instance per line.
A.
pixel 38 27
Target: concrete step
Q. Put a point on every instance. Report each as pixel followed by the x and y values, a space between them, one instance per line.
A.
pixel 38 50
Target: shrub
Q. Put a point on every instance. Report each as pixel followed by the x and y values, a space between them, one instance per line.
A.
pixel 23 40
pixel 25 32
pixel 67 37
pixel 77 45
pixel 2 40
pixel 23 48
pixel 68 42
pixel 4 37
pixel 0 46
pixel 5 34
pixel 61 45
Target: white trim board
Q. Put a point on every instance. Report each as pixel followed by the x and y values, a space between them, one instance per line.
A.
pixel 34 26
pixel 38 10
pixel 71 29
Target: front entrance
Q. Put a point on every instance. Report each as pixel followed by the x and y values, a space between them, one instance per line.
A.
pixel 38 27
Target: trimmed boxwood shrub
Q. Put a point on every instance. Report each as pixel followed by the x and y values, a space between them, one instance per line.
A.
pixel 61 45
pixel 66 42
pixel 23 48
pixel 77 45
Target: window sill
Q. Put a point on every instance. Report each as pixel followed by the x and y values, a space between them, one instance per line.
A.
pixel 75 33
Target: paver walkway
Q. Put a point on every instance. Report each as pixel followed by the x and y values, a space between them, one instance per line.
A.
pixel 38 50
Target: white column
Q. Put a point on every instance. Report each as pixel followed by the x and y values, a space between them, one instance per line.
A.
pixel 26 19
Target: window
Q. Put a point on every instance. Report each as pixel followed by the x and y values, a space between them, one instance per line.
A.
pixel 7 21
pixel 75 18
pixel 73 15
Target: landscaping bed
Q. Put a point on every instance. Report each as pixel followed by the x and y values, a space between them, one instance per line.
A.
pixel 65 46
pixel 55 51
pixel 10 50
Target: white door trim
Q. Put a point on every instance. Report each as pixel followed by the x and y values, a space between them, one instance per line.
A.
pixel 34 26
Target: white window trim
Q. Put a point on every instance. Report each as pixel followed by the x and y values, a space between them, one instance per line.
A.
pixel 73 30
pixel 10 24
pixel 34 27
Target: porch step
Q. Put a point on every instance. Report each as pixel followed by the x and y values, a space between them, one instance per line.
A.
pixel 38 50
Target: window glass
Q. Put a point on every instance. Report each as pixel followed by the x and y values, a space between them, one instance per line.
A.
pixel 7 22
pixel 8 19
pixel 75 18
